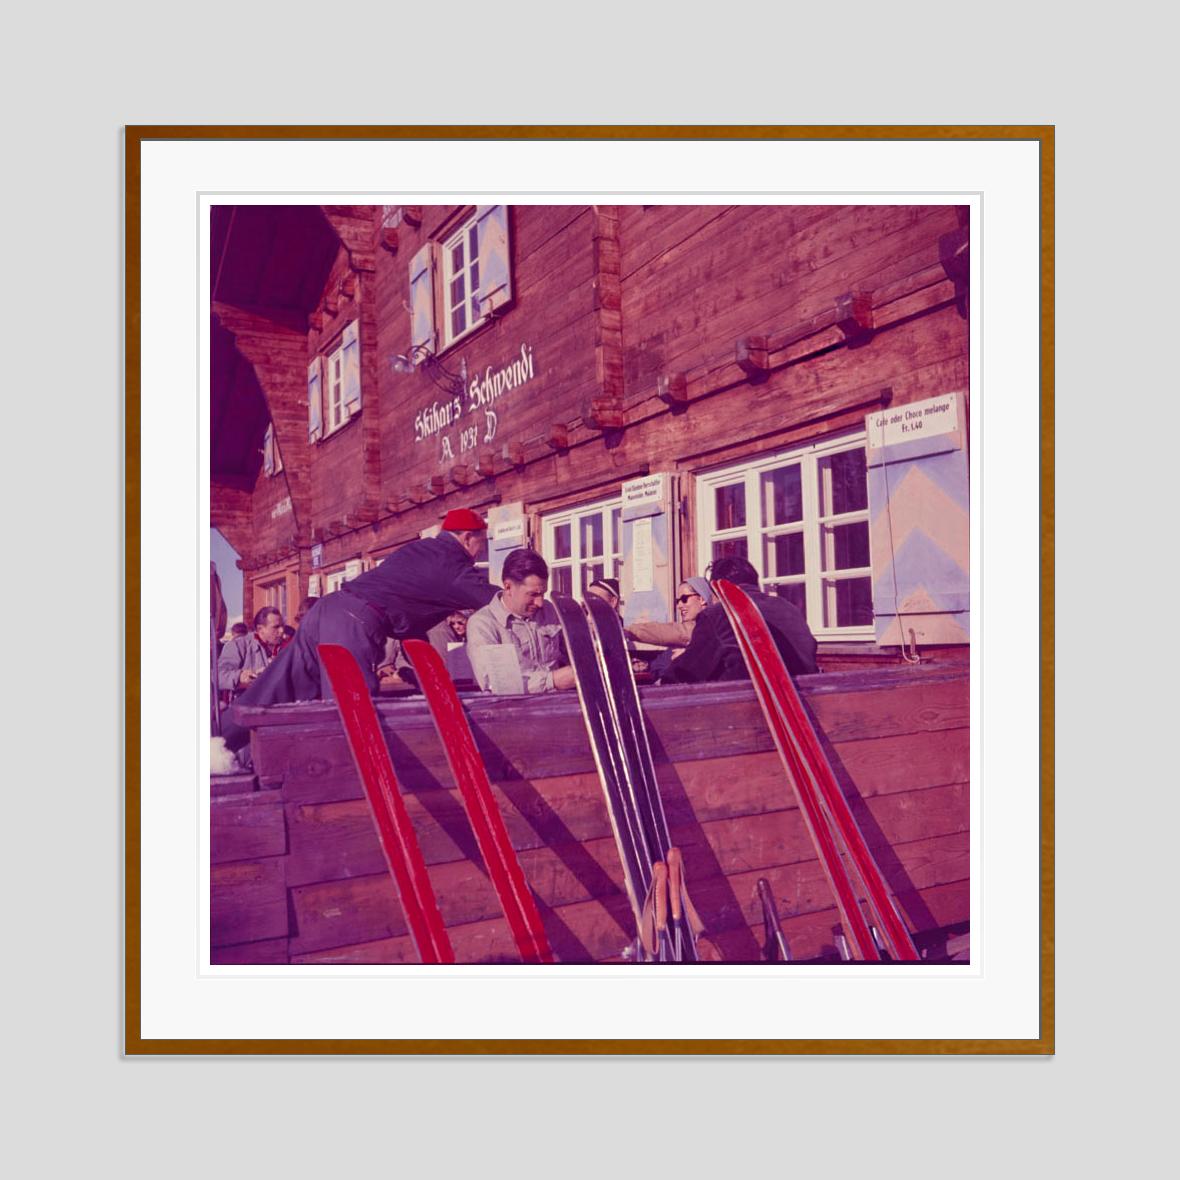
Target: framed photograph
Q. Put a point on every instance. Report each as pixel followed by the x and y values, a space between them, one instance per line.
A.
pixel 663 509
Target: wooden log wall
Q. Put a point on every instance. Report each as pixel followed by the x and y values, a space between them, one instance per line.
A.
pixel 663 338
pixel 298 875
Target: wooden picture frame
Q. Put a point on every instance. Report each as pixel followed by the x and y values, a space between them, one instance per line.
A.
pixel 167 170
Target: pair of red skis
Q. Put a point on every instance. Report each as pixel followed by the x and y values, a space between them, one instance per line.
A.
pixel 394 827
pixel 829 820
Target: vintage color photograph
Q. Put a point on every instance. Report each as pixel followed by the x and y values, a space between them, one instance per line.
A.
pixel 590 584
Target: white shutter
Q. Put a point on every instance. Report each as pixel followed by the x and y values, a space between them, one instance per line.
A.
pixel 422 298
pixel 315 414
pixel 268 450
pixel 352 367
pixel 649 509
pixel 495 258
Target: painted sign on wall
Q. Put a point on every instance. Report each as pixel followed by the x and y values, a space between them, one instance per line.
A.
pixel 463 422
pixel 936 415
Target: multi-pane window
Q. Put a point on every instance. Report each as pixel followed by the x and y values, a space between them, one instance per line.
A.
pixel 460 258
pixel 801 519
pixel 337 414
pixel 334 580
pixel 275 594
pixel 582 545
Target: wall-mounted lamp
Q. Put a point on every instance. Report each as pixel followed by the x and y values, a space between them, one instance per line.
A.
pixel 420 356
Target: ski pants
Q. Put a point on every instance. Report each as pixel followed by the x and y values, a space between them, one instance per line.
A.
pixel 295 674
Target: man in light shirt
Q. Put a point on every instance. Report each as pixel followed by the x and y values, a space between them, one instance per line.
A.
pixel 520 618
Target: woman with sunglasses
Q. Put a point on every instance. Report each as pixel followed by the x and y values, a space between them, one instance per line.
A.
pixel 692 596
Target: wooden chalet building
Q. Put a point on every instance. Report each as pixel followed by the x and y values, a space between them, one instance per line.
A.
pixel 632 390
pixel 606 383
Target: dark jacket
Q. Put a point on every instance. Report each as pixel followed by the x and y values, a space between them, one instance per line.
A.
pixel 422 583
pixel 713 652
pixel 403 597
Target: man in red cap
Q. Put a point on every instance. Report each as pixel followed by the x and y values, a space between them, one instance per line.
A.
pixel 408 593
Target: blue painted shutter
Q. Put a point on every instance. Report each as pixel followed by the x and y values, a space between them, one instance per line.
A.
pixel 508 521
pixel 315 419
pixel 495 258
pixel 268 450
pixel 352 367
pixel 422 298
pixel 654 604
pixel 920 535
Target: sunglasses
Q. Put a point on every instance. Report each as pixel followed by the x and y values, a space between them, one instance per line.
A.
pixel 685 597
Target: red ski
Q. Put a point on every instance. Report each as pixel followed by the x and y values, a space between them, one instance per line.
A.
pixel 394 828
pixel 471 777
pixel 825 810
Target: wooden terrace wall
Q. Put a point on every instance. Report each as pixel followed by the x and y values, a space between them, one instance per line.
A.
pixel 298 876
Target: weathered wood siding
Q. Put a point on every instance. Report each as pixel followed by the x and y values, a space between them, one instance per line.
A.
pixel 298 859
pixel 847 307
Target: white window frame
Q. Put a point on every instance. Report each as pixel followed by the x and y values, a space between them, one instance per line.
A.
pixel 612 559
pixel 462 235
pixel 817 581
pixel 337 412
pixel 334 580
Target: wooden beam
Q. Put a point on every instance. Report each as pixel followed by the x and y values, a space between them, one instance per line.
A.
pixel 389 240
pixel 672 388
pixel 460 475
pixel 486 466
pixel 513 454
pixel 753 358
pixel 436 485
pixel 954 252
pixel 854 316
pixel 558 437
pixel 602 413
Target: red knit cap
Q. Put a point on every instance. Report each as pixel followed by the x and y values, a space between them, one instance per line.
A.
pixel 463 520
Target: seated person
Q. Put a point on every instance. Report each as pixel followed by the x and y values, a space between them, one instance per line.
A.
pixel 608 590
pixel 692 596
pixel 246 657
pixel 520 616
pixel 449 639
pixel 713 652
pixel 451 631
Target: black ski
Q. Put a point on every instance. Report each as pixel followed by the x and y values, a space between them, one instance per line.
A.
pixel 636 856
pixel 623 697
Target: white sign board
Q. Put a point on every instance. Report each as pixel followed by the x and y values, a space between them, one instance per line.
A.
pixel 648 489
pixel 642 570
pixel 898 424
pixel 353 569
pixel 509 530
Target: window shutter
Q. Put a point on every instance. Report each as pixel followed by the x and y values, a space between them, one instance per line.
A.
pixel 315 420
pixel 422 298
pixel 507 530
pixel 920 526
pixel 647 583
pixel 268 450
pixel 352 367
pixel 495 259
